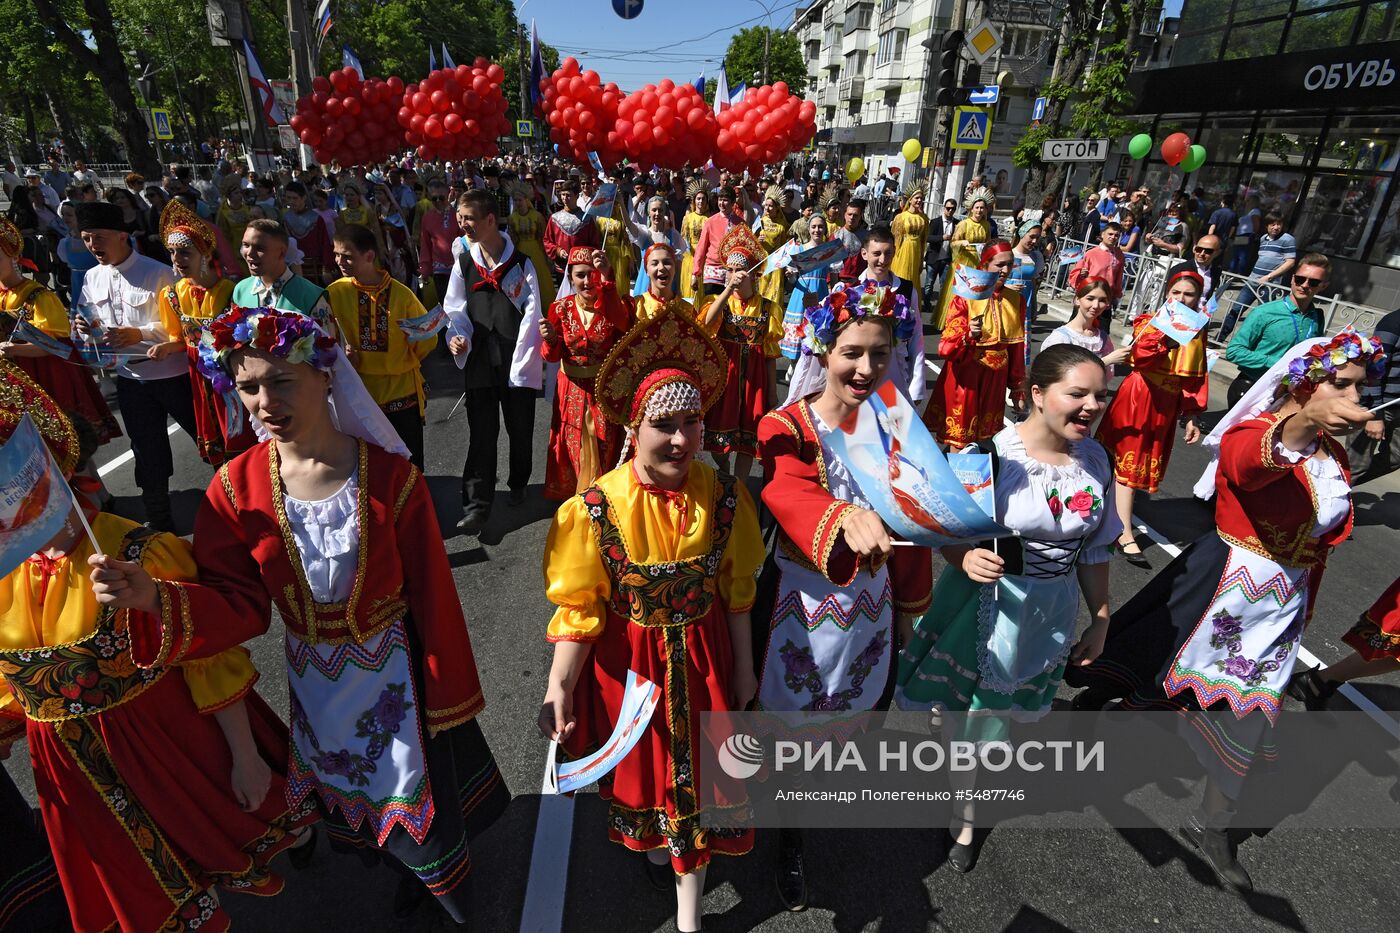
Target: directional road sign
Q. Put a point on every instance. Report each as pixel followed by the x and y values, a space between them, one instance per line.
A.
pixel 1074 150
pixel 627 9
pixel 972 128
pixel 984 96
pixel 1038 110
pixel 160 122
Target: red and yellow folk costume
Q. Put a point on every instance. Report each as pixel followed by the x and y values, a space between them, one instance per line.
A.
pixel 582 443
pixel 1376 634
pixel 749 331
pixel 70 385
pixel 1167 382
pixel 131 767
pixel 648 577
pixel 968 402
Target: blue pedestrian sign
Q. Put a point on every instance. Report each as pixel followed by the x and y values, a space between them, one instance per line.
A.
pixel 160 123
pixel 1038 110
pixel 627 9
pixel 972 128
pixel 985 96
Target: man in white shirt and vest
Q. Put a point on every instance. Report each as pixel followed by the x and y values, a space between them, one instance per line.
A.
pixel 122 292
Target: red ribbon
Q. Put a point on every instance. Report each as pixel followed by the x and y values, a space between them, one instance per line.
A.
pixel 489 279
pixel 673 497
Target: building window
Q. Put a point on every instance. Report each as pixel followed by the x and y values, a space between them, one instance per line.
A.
pixel 1325 29
pixel 887 7
pixel 858 17
pixel 891 46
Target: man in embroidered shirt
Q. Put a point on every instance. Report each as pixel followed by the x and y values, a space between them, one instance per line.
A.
pixel 273 284
pixel 566 228
pixel 495 290
pixel 709 264
pixel 123 292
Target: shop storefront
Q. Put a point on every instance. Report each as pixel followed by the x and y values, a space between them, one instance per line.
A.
pixel 1297 103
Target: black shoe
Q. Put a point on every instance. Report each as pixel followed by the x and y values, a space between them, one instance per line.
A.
pixel 660 877
pixel 472 522
pixel 516 497
pixel 791 876
pixel 1214 846
pixel 1308 688
pixel 1136 558
pixel 301 855
pixel 963 857
pixel 408 897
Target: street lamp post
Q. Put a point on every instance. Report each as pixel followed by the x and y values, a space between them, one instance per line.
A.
pixel 767 35
pixel 149 33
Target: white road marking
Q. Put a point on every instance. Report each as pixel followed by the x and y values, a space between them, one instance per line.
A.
pixel 1358 699
pixel 547 886
pixel 125 458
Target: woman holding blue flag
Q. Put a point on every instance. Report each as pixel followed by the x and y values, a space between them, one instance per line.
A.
pixel 808 290
pixel 652 570
pixel 1000 631
pixel 843 594
pixel 371 308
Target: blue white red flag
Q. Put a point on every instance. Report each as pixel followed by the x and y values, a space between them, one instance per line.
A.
pixel 823 254
pixel 639 701
pixel 603 201
pixel 973 284
pixel 424 325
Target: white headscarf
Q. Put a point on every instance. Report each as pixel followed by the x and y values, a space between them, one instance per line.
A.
pixel 1258 400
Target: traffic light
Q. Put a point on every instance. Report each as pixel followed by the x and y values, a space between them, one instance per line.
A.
pixel 145 78
pixel 949 57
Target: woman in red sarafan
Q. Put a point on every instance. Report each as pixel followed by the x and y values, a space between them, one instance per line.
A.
pixel 578 332
pixel 982 351
pixel 1168 381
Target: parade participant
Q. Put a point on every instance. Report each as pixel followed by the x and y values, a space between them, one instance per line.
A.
pixel 328 521
pixel 910 229
pixel 526 227
pixel 494 286
pixel 659 265
pixel 808 289
pixel 31 896
pixel 21 299
pixel 749 327
pixel 692 225
pixel 658 230
pixel 772 232
pixel 659 524
pixel 156 784
pixel 982 350
pixel 876 257
pixel 123 293
pixel 1051 481
pixel 1375 640
pixel 437 231
pixel 1194 638
pixel 355 210
pixel 312 236
pixel 615 234
pixel 233 214
pixel 969 235
pixel 578 332
pixel 398 256
pixel 272 282
pixel 568 228
pixel 1168 383
pixel 368 305
pixel 709 258
pixel 200 295
pixel 1088 328
pixel 1030 265
pixel 852 235
pixel 834 628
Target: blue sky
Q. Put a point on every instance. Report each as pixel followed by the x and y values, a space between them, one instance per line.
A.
pixel 668 39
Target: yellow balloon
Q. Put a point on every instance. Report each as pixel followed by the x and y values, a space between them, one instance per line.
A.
pixel 911 150
pixel 855 169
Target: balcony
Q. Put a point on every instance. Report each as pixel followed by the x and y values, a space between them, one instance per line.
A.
pixel 889 9
pixel 827 96
pixel 889 76
pixel 851 89
pixel 833 58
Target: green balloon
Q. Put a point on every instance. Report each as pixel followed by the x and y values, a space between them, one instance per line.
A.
pixel 1194 159
pixel 1140 145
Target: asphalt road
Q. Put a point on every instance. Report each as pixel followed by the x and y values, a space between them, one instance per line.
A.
pixel 1028 879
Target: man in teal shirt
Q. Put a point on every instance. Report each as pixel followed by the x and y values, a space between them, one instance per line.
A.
pixel 1274 328
pixel 273 284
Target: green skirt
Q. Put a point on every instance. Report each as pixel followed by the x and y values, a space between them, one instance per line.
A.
pixel 940 667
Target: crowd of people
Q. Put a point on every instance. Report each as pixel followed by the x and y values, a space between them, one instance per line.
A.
pixel 282 322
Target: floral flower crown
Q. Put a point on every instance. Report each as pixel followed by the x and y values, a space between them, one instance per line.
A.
pixel 1322 360
pixel 287 335
pixel 849 303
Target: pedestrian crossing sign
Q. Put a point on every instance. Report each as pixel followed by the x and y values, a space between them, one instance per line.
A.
pixel 524 129
pixel 160 122
pixel 972 128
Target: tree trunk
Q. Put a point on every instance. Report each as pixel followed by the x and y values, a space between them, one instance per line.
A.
pixel 108 65
pixel 72 143
pixel 29 149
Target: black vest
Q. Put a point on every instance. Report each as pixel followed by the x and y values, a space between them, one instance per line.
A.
pixel 495 320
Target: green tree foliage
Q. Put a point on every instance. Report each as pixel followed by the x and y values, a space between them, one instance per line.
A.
pixel 744 59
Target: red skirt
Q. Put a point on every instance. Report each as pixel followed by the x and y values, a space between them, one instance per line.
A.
pixel 658 792
pixel 583 444
pixel 75 390
pixel 968 402
pixel 731 426
pixel 1138 430
pixel 140 811
pixel 211 419
pixel 1376 634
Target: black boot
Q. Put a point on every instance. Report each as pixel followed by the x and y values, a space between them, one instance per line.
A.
pixel 156 500
pixel 1308 688
pixel 1214 846
pixel 791 875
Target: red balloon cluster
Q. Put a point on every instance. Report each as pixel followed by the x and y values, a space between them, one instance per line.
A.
pixel 665 124
pixel 580 110
pixel 1175 148
pixel 350 120
pixel 456 113
pixel 767 125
